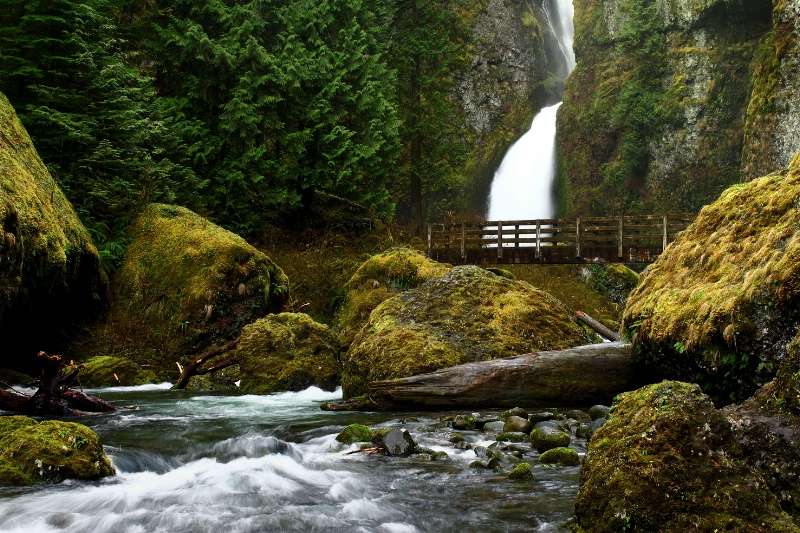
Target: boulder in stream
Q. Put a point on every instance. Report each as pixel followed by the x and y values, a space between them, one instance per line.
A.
pixel 49 452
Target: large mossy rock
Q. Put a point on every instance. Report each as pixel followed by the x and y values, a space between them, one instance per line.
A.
pixel 34 452
pixel 467 315
pixel 185 284
pixel 50 275
pixel 668 461
pixel 107 371
pixel 722 303
pixel 380 277
pixel 288 351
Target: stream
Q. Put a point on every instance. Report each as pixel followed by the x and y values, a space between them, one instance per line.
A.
pixel 191 462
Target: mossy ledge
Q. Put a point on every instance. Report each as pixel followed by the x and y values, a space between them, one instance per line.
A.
pixel 50 272
pixel 34 452
pixel 720 306
pixel 186 284
pixel 467 315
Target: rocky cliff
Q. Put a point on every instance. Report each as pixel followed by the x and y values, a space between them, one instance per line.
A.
pixel 674 100
pixel 515 68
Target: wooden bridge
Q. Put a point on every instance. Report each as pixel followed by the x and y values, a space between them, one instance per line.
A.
pixel 632 239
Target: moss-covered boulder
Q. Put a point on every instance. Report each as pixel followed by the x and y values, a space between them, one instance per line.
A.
pixel 288 351
pixel 185 284
pixel 467 315
pixel 721 304
pixel 521 471
pixel 560 456
pixel 355 433
pixel 107 371
pixel 380 277
pixel 50 275
pixel 34 452
pixel 546 437
pixel 667 461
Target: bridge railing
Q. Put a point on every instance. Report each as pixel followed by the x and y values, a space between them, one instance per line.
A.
pixel 635 239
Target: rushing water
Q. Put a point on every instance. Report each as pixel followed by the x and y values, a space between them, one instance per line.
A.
pixel 199 462
pixel 522 188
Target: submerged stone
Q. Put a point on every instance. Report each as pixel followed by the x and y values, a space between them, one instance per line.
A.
pixel 34 452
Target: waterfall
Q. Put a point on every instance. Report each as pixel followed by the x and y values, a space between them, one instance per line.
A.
pixel 522 188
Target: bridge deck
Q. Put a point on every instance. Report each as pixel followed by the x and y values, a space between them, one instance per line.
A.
pixel 632 239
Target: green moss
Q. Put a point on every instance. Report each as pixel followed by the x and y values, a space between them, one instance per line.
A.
pixel 49 269
pixel 355 433
pixel 186 284
pixel 378 278
pixel 560 456
pixel 107 371
pixel 511 436
pixel 521 471
pixel 12 377
pixel 465 316
pixel 666 461
pixel 721 304
pixel 547 438
pixel 48 452
pixel 288 351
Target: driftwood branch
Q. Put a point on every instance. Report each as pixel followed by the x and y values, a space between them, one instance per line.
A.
pixel 601 330
pixel 576 376
pixel 195 367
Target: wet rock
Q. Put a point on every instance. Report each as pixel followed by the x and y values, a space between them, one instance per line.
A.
pixel 49 452
pixel 546 438
pixel 455 438
pixel 560 456
pixel 287 352
pixel 582 431
pixel 521 471
pixel 516 411
pixel 355 433
pixel 512 436
pixel 579 416
pixel 463 422
pixel 594 426
pixel 517 424
pixel 398 443
pixel 599 411
pixel 467 315
pixel 668 461
pixel 462 445
pixel 482 420
pixel 542 416
pixel 494 427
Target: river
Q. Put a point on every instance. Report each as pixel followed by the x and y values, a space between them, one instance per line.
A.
pixel 192 462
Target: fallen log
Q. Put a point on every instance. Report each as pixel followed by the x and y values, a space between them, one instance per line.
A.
pixel 577 376
pixel 54 396
pixel 195 367
pixel 598 327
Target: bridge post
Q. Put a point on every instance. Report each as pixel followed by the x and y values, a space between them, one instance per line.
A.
pixel 538 239
pixel 578 237
pixel 666 235
pixel 620 251
pixel 516 235
pixel 464 241
pixel 499 240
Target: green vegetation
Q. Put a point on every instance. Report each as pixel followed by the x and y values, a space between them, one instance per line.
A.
pixel 107 371
pixel 723 314
pixel 34 452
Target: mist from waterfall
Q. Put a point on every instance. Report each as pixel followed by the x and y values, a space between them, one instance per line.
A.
pixel 522 188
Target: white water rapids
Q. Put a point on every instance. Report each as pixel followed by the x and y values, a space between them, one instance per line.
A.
pixel 522 188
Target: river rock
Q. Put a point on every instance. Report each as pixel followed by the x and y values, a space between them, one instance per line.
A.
pixel 398 443
pixel 545 438
pixel 512 436
pixel 599 411
pixel 494 427
pixel 578 415
pixel 516 411
pixel 51 281
pixel 49 452
pixel 725 313
pixel 466 315
pixel 186 284
pixel 594 426
pixel 655 464
pixel 518 424
pixel 542 416
pixel 287 352
pixel 380 277
pixel 355 433
pixel 521 471
pixel 463 422
pixel 107 371
pixel 560 456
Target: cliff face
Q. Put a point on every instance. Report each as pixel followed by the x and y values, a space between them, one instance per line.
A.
pixel 654 116
pixel 515 69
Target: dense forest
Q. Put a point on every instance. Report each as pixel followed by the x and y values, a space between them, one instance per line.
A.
pixel 257 113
